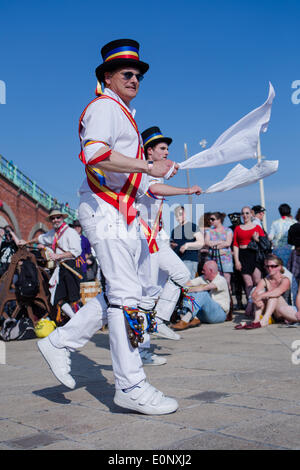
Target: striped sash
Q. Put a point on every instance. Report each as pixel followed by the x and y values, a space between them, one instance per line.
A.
pixel 151 233
pixel 122 201
pixel 58 234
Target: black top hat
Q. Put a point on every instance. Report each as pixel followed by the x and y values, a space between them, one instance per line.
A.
pixel 235 218
pixel 120 53
pixel 257 209
pixel 153 136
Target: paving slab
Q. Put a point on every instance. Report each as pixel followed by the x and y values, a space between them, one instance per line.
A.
pixel 237 390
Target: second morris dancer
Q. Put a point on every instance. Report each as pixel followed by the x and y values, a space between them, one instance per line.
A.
pixel 163 257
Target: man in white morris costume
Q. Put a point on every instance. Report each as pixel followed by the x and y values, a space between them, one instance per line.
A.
pixel 116 172
pixel 63 245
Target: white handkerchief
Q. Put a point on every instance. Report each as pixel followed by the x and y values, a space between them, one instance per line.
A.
pixel 237 143
pixel 240 176
pixel 167 175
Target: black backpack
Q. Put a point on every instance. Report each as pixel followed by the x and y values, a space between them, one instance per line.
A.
pixel 27 284
pixel 18 330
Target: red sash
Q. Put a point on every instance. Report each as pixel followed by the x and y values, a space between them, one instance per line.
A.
pixel 122 201
pixel 151 233
pixel 58 234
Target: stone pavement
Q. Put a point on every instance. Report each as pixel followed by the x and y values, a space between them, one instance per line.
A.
pixel 236 390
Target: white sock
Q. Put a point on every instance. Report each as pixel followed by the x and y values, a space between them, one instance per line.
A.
pixel 187 317
pixel 67 309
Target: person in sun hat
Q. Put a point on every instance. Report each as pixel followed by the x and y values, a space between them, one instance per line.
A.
pixel 116 172
pixel 56 211
pixel 150 205
pixel 63 245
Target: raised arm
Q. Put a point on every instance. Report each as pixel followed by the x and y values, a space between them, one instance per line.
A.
pixel 161 189
pixel 111 160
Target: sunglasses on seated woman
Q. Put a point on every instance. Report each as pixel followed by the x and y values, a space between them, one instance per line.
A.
pixel 271 266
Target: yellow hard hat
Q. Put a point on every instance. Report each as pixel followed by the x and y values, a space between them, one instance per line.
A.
pixel 44 327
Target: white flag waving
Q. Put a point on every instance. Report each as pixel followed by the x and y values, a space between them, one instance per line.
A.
pixel 240 176
pixel 237 143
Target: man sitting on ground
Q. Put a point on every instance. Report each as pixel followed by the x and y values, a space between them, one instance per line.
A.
pixel 210 299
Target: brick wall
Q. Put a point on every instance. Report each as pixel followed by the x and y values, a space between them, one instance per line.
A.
pixel 24 214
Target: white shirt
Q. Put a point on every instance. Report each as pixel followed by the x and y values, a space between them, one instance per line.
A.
pixel 105 121
pixel 220 294
pixel 257 221
pixel 279 231
pixel 69 241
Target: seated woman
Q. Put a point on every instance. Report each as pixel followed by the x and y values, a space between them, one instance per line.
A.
pixel 267 296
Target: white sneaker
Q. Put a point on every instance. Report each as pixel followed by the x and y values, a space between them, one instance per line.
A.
pixel 165 332
pixel 58 360
pixel 146 399
pixel 150 359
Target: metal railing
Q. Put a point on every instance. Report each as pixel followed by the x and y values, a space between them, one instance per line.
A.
pixel 12 173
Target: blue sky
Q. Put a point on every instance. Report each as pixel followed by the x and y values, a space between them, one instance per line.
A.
pixel 210 64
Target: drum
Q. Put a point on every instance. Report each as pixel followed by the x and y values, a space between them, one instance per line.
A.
pixel 88 290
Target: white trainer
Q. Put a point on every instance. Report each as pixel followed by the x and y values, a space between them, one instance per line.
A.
pixel 146 399
pixel 58 360
pixel 150 359
pixel 165 332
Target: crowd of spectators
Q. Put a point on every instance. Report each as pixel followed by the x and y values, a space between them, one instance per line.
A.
pixel 261 270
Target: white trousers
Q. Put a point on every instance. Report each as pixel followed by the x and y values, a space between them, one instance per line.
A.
pixel 168 262
pixel 177 271
pixel 118 249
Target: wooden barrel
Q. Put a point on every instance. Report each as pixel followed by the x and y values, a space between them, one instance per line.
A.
pixel 88 290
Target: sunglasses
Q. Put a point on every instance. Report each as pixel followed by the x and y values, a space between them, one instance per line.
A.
pixel 55 218
pixel 245 213
pixel 129 75
pixel 269 266
pixel 212 218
